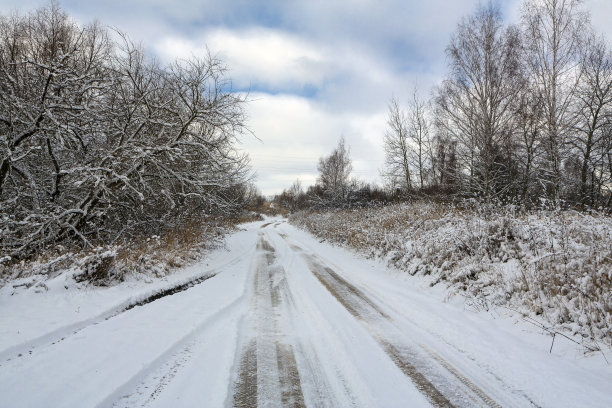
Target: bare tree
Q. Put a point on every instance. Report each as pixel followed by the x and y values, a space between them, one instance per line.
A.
pixel 295 195
pixel 419 135
pixel 444 162
pixel 529 118
pixel 594 116
pixel 553 31
pixel 397 149
pixel 474 104
pixel 334 173
pixel 407 144
pixel 606 165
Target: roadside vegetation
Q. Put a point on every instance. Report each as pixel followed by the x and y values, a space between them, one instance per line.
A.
pixel 151 256
pixel 554 267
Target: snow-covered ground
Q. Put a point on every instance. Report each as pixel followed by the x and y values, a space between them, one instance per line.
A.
pixel 278 318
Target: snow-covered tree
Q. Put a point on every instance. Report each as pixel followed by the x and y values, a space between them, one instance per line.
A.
pixel 334 173
pixel 98 142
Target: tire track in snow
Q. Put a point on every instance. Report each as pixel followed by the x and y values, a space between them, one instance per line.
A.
pixel 267 370
pixel 420 381
pixel 245 389
pixel 316 384
pixel 60 334
pixel 356 303
pixel 364 309
pixel 291 388
pixel 448 366
pixel 343 291
pixel 478 395
pixel 475 389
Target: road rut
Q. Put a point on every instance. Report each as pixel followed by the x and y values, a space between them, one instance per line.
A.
pixel 435 387
pixel 267 373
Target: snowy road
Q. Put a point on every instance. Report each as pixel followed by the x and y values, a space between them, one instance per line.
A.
pixel 280 319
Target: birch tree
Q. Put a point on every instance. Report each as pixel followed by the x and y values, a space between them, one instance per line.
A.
pixel 397 149
pixel 418 133
pixel 554 35
pixel 475 103
pixel 594 117
pixel 334 173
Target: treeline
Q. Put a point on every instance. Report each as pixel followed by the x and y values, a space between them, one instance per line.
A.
pixel 335 188
pixel 99 142
pixel 523 116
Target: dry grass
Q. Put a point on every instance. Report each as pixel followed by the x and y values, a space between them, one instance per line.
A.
pixel 274 210
pixel 155 255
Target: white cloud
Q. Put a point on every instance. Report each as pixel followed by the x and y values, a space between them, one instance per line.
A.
pixel 295 132
pixel 257 56
pixel 343 78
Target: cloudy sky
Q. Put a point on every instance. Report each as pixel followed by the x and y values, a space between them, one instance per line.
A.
pixel 315 70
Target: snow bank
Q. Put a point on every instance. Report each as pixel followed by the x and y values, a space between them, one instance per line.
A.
pixel 50 303
pixel 555 267
pixel 140 258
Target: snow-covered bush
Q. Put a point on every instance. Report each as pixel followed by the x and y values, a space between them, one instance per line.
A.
pixel 99 142
pixel 556 265
pixel 99 267
pixel 156 255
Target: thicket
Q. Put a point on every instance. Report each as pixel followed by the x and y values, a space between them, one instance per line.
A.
pixel 100 144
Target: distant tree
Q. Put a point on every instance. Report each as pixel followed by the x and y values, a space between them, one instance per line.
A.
pixel 295 196
pixel 334 173
pixel 253 198
pixel 296 188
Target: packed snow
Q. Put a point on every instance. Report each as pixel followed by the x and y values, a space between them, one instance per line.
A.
pixel 278 318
